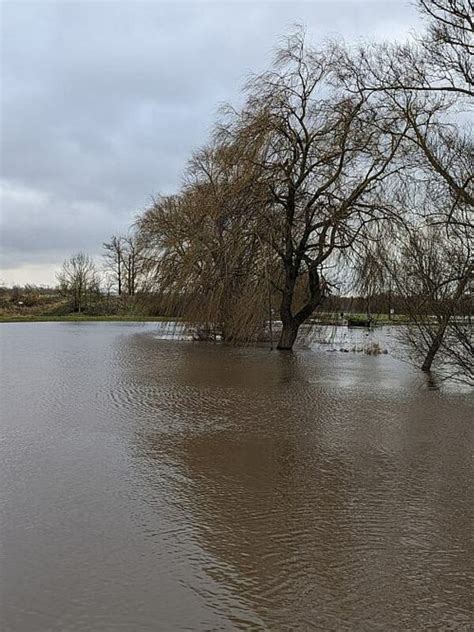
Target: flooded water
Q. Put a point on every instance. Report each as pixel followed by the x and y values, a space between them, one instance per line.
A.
pixel 151 484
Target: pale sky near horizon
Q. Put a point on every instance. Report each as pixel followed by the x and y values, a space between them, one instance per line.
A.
pixel 102 104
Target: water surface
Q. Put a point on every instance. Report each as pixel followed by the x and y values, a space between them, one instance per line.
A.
pixel 151 484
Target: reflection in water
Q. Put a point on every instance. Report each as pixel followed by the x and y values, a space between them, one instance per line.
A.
pixel 319 506
pixel 193 486
pixel 432 381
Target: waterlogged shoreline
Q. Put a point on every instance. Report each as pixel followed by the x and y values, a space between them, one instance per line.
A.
pixel 328 339
pixel 327 335
pixel 39 318
pixel 324 333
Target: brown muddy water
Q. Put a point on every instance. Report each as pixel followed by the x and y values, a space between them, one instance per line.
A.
pixel 152 484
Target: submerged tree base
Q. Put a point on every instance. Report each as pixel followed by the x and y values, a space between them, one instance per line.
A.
pixel 288 336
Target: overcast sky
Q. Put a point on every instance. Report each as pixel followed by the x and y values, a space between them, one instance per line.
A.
pixel 103 102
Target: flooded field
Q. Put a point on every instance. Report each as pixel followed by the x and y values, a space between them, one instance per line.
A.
pixel 157 484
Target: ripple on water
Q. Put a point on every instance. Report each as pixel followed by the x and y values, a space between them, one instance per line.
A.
pixel 190 486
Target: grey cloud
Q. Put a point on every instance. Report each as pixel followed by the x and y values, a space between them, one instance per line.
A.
pixel 102 103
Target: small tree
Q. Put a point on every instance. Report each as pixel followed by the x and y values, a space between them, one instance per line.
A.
pixel 114 257
pixel 79 280
pixel 132 262
pixel 122 256
pixel 431 271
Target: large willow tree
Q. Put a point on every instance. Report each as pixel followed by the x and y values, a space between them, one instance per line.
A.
pixel 324 158
pixel 288 186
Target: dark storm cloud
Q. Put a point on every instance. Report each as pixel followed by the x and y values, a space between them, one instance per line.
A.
pixel 102 104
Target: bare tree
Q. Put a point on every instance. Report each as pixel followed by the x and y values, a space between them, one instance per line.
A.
pixel 432 271
pixel 429 82
pixel 323 156
pixel 448 45
pixel 371 277
pixel 115 260
pixel 79 280
pixel 132 261
pixel 123 262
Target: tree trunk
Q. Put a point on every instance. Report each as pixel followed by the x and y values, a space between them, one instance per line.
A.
pixel 434 347
pixel 288 335
pixel 444 322
pixel 292 322
pixel 119 275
